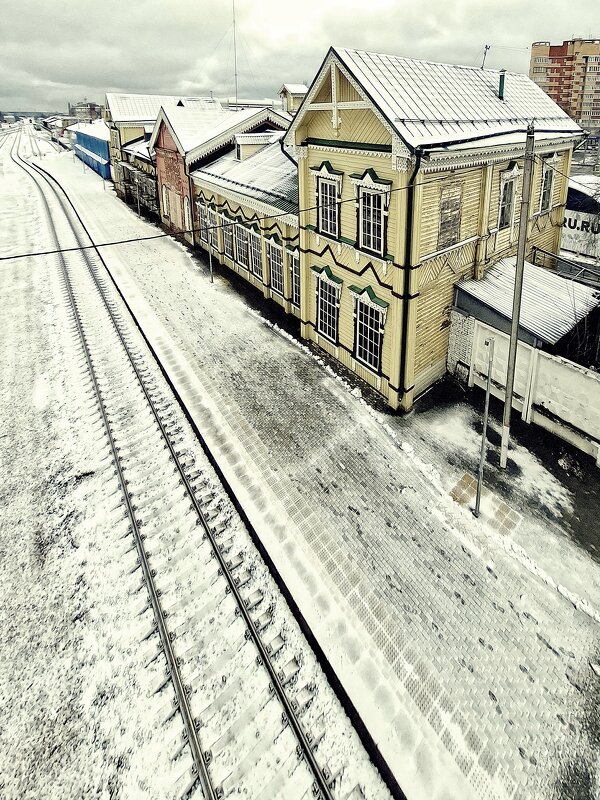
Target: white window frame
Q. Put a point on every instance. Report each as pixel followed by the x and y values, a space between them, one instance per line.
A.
pixel 328 210
pixel 166 204
pixel 228 237
pixel 294 261
pixel 242 256
pixel 368 332
pixel 275 262
pixel 213 231
pixel 203 222
pixel 328 308
pixel 368 239
pixel 255 252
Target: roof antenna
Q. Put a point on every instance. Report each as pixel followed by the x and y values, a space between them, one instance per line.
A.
pixel 235 76
pixel 486 47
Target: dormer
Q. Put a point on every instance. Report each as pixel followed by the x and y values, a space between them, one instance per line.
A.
pixel 246 144
pixel 292 94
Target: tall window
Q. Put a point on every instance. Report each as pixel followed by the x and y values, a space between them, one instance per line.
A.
pixel 371 220
pixel 227 236
pixel 328 207
pixel 203 222
pixel 187 217
pixel 165 201
pixel 275 259
pixel 327 310
pixel 547 185
pixel 241 246
pixel 255 254
pixel 212 229
pixel 295 268
pixel 507 203
pixel 450 207
pixel 369 330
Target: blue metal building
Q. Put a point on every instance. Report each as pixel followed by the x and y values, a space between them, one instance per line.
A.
pixel 92 146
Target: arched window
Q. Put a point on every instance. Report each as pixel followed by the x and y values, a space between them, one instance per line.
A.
pixel 165 201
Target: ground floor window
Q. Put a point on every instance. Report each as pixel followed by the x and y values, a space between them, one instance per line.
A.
pixel 227 237
pixel 275 260
pixel 165 200
pixel 241 246
pixel 213 229
pixel 203 222
pixel 255 254
pixel 295 268
pixel 369 335
pixel 327 310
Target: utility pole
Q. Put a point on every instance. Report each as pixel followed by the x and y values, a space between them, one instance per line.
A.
pixel 490 345
pixel 235 75
pixel 516 312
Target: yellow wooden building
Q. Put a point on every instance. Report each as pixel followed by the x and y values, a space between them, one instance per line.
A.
pixel 410 178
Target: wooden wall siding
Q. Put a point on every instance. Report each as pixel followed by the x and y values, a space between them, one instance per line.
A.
pixel 345 91
pixel 436 297
pixel 358 125
pixel 324 93
pixel 470 180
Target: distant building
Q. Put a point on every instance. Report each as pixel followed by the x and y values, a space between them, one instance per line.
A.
pixel 570 74
pixel 85 111
pixel 292 94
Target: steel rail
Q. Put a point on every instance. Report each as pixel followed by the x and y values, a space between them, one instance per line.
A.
pixel 159 616
pixel 320 781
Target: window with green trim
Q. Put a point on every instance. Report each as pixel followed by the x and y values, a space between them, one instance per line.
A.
pixel 371 220
pixel 227 236
pixel 241 246
pixel 203 222
pixel 295 268
pixel 275 261
pixel 368 334
pixel 328 207
pixel 327 309
pixel 255 254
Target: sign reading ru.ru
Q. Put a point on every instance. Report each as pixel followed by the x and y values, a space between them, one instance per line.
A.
pixel 581 233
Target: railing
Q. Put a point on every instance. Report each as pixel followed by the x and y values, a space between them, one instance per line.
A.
pixel 566 267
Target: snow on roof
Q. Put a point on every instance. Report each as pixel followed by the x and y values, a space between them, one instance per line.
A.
pixel 266 137
pixel 97 129
pixel 268 175
pixel 145 107
pixel 586 184
pixel 294 88
pixel 551 305
pixel 429 103
pixel 195 128
pixel 140 149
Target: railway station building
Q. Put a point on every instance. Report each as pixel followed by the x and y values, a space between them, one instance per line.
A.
pixel 403 178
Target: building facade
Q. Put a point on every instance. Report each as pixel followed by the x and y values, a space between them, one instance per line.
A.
pixel 406 191
pixel 91 145
pixel 569 73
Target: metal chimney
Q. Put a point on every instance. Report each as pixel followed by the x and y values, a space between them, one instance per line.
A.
pixel 501 84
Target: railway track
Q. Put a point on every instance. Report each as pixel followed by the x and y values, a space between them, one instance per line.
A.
pixel 241 690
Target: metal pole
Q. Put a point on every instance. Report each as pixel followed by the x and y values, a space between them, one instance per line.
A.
pixel 235 74
pixel 490 345
pixel 210 259
pixel 519 267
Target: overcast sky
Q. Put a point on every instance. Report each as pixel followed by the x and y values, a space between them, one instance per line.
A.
pixel 55 52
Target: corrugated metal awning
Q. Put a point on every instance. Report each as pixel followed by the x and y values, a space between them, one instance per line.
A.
pixel 551 305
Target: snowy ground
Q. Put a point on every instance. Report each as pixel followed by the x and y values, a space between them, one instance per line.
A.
pixel 457 646
pixel 82 718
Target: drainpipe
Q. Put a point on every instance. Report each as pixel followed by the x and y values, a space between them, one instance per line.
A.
pixel 410 213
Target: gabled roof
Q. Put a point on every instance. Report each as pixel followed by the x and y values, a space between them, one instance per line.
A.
pixel 429 104
pixel 145 107
pixel 139 149
pixel 551 305
pixel 293 88
pixel 268 176
pixel 199 131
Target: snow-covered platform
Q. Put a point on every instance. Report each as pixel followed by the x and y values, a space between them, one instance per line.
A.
pixel 473 674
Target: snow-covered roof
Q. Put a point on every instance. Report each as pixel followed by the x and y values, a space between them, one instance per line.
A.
pixel 145 107
pixel 266 137
pixel 430 103
pixel 551 305
pixel 586 184
pixel 97 129
pixel 294 88
pixel 198 130
pixel 268 176
pixel 139 149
